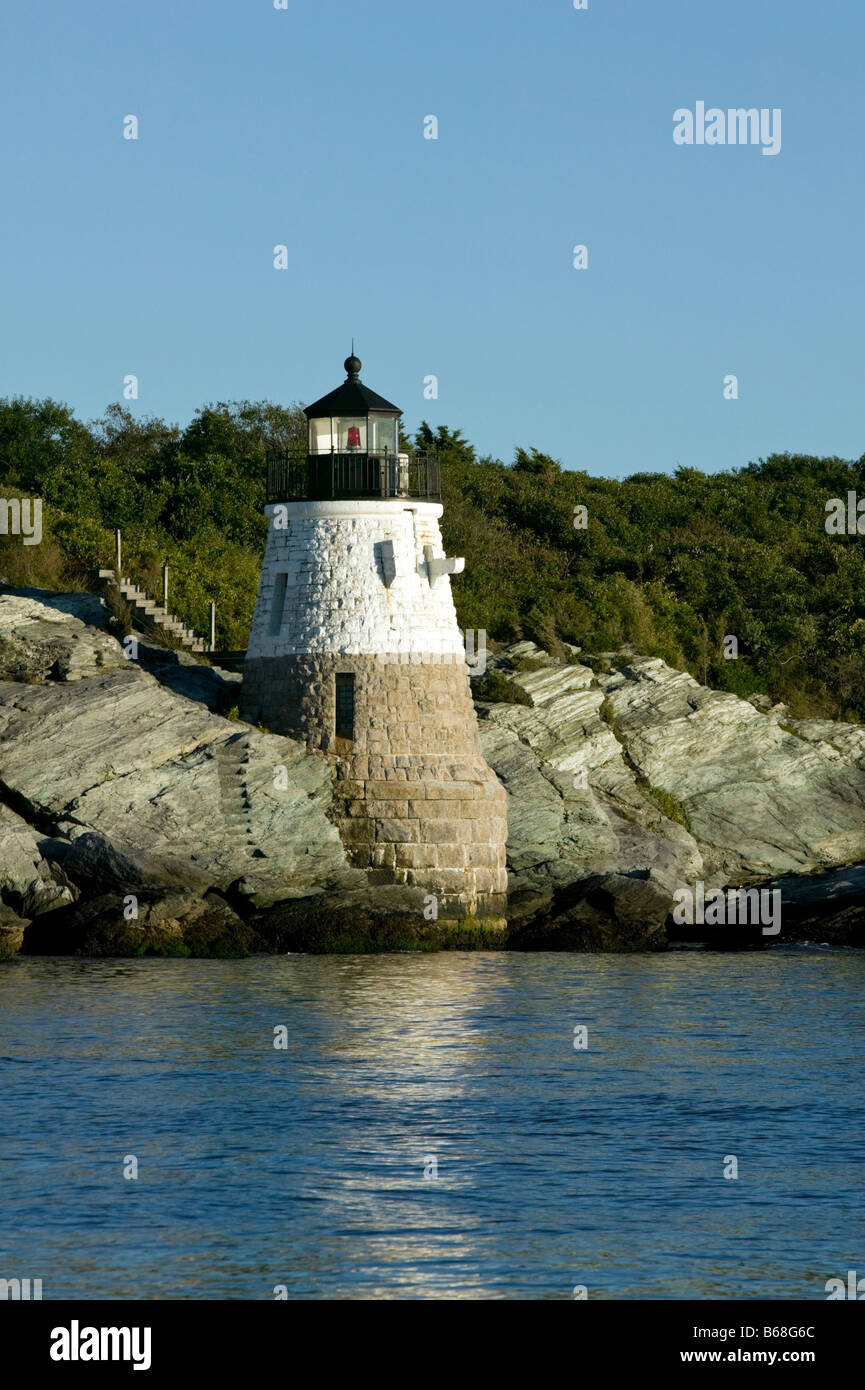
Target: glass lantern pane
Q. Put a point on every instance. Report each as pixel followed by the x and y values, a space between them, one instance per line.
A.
pixel 320 437
pixel 351 434
pixel 383 434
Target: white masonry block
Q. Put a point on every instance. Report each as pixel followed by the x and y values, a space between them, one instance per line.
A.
pixel 355 578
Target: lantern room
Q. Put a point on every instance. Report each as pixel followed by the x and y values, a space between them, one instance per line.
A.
pixel 353 452
pixel 352 419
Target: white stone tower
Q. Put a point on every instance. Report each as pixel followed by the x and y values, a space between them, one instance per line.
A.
pixel 355 648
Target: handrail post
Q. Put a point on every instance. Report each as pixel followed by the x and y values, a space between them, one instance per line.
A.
pixel 165 587
pixel 213 627
pixel 118 553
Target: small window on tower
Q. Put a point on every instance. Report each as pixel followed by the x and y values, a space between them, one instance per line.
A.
pixel 344 705
pixel 278 605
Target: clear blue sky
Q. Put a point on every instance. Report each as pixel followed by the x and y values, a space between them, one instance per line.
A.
pixel 454 257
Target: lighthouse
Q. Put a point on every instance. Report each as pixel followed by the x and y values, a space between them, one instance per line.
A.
pixel 356 650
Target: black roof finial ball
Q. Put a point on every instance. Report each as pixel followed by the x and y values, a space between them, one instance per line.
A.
pixel 352 366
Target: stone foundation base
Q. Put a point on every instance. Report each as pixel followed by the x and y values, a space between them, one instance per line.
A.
pixel 414 801
pixel 440 826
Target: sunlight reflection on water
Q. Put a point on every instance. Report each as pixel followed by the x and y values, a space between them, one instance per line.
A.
pixel 305 1166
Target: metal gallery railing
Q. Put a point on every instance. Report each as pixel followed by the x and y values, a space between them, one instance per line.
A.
pixel 299 477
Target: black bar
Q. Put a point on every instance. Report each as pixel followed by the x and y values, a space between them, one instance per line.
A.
pixel 200 1339
pixel 298 477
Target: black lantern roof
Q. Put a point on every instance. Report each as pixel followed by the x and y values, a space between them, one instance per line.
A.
pixel 351 398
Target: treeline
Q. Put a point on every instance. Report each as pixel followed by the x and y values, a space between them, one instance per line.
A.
pixel 667 565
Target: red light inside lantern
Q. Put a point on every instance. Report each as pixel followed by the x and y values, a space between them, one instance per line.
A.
pixel 354 437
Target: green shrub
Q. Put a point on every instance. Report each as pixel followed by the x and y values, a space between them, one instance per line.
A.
pixel 494 688
pixel 670 805
pixel 528 663
pixel 669 565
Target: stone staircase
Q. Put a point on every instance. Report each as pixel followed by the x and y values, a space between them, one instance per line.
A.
pixel 154 612
pixel 235 796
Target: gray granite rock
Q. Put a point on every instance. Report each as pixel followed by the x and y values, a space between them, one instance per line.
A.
pixel 161 778
pixel 179 671
pixel 166 924
pixel 20 854
pixel 49 641
pixel 582 835
pixel 12 929
pixel 118 780
pixel 762 799
pixel 162 783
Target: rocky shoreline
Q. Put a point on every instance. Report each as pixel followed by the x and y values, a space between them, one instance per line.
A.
pixel 137 818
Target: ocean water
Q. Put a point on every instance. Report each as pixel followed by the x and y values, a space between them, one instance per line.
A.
pixel 304 1166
